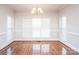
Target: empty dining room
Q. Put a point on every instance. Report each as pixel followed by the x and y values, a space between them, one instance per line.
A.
pixel 39 29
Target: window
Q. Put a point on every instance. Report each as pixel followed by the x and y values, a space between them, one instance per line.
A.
pixel 40 28
pixel 63 22
pixel 36 26
pixel 63 28
pixel 9 21
pixel 9 27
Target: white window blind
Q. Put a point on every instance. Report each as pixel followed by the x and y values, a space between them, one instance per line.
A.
pixel 40 28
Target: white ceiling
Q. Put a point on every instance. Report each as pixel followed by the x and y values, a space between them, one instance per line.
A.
pixel 28 7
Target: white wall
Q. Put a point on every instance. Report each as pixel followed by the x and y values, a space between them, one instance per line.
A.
pixel 72 28
pixel 4 12
pixel 19 24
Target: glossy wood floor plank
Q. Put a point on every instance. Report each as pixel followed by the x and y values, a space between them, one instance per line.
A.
pixel 43 48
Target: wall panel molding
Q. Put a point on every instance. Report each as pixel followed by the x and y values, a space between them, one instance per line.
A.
pixel 73 33
pixel 2 33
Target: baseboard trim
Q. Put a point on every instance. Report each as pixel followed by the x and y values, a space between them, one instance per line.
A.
pixel 36 39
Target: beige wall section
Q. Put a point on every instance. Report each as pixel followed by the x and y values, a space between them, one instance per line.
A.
pixel 72 14
pixel 19 25
pixel 4 12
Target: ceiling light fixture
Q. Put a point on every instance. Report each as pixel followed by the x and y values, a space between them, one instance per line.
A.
pixel 37 11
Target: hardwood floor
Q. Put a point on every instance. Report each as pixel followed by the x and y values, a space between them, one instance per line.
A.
pixel 37 48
